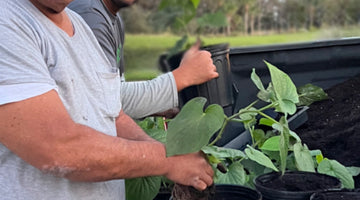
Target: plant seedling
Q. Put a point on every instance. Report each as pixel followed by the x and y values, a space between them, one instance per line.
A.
pixel 277 149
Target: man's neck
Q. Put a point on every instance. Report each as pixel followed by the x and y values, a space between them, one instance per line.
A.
pixel 57 15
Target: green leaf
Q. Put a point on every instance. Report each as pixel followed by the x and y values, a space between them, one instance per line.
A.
pixel 309 94
pixel 195 3
pixel 334 168
pixel 235 175
pixel 222 153
pixel 154 127
pixel 319 158
pixel 212 20
pixel 259 136
pixel 284 88
pixel 192 128
pixel 178 13
pixel 294 135
pixel 271 144
pixel 303 158
pixel 266 122
pixel 286 106
pixel 291 163
pixel 248 118
pixel 354 171
pixel 159 135
pixel 259 157
pixel 264 95
pixel 256 80
pixel 284 144
pixel 212 159
pixel 145 188
pixel 277 126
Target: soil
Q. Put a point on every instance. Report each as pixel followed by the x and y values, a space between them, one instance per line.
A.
pixel 333 125
pixel 181 192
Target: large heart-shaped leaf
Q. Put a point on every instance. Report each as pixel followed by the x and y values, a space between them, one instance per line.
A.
pixel 145 188
pixel 235 175
pixel 192 128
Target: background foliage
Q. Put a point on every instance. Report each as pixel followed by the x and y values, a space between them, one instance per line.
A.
pixel 154 26
pixel 241 16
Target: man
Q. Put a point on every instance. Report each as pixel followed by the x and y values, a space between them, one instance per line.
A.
pixel 63 134
pixel 151 96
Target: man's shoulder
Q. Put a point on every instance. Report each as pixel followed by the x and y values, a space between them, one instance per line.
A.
pixel 92 11
pixel 85 6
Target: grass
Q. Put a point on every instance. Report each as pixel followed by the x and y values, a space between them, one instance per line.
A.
pixel 142 51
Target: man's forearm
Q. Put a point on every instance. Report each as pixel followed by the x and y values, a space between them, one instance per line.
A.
pixel 46 137
pixel 128 129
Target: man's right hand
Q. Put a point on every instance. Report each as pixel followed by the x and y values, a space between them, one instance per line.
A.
pixel 190 169
pixel 196 67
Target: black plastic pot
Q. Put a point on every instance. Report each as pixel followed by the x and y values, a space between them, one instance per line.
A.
pixel 341 194
pixel 224 192
pixel 216 91
pixel 236 192
pixel 294 185
pixel 163 195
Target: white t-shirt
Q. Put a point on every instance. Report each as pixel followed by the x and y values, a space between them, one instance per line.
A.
pixel 36 56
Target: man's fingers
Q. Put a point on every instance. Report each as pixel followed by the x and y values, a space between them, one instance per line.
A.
pixel 208 180
pixel 199 184
pixel 196 46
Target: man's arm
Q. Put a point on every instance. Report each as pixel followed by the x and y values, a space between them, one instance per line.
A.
pixel 141 99
pixel 127 128
pixel 40 131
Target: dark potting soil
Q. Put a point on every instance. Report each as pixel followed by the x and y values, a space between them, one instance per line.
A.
pixel 333 125
pixel 182 192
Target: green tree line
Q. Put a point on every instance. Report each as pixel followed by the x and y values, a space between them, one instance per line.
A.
pixel 239 16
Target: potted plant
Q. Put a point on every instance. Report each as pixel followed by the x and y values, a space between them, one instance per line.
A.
pixel 193 128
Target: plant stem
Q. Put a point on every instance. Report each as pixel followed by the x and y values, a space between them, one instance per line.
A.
pixel 245 110
pixel 226 121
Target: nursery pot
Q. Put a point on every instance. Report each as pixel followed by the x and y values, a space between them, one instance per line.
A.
pixel 216 91
pixel 224 192
pixel 294 185
pixel 337 194
pixel 163 196
pixel 235 192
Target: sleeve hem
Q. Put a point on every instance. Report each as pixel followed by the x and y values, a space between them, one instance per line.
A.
pixel 19 92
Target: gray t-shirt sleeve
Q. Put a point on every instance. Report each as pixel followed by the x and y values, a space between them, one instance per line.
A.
pixel 144 98
pixel 24 73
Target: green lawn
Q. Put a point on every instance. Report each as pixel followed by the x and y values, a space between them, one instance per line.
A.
pixel 142 51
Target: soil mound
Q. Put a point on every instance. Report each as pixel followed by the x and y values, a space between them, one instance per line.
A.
pixel 334 124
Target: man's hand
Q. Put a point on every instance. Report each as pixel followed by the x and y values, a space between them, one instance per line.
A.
pixel 190 169
pixel 196 67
